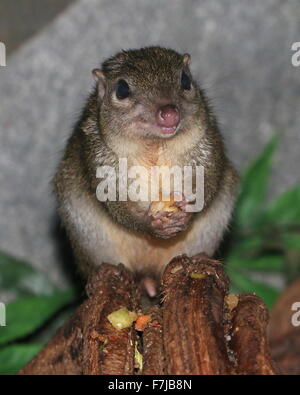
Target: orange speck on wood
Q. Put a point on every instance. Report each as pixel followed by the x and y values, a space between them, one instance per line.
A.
pixel 142 322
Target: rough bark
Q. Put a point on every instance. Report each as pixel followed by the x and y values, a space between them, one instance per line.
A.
pixel 284 335
pixel 196 329
pixel 88 343
pixel 194 337
pixel 248 337
pixel 153 349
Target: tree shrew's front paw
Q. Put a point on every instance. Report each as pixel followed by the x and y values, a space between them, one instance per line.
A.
pixel 169 218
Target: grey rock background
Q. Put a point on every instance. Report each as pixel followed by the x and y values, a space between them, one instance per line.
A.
pixel 241 53
pixel 21 19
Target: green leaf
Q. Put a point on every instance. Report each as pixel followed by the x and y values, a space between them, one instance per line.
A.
pixel 14 357
pixel 248 246
pixel 253 187
pixel 21 278
pixel 291 245
pixel 246 284
pixel 233 289
pixel 262 263
pixel 291 241
pixel 26 315
pixel 285 210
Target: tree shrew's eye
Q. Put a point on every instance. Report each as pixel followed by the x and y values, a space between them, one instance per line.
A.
pixel 122 90
pixel 185 81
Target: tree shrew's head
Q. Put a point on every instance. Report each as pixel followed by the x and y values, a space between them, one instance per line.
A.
pixel 147 93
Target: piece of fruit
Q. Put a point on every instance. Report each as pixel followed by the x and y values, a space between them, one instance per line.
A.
pixel 142 322
pixel 122 318
pixel 196 275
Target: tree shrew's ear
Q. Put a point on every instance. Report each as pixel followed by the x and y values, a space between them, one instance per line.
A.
pixel 101 81
pixel 186 59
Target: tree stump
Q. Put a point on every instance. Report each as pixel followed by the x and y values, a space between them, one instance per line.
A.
pixel 197 328
pixel 284 335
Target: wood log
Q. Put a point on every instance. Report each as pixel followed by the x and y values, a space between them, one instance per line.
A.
pixel 284 333
pixel 88 343
pixel 153 348
pixel 196 329
pixel 249 337
pixel 194 338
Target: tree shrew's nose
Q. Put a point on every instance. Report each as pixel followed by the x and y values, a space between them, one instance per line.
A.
pixel 168 116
